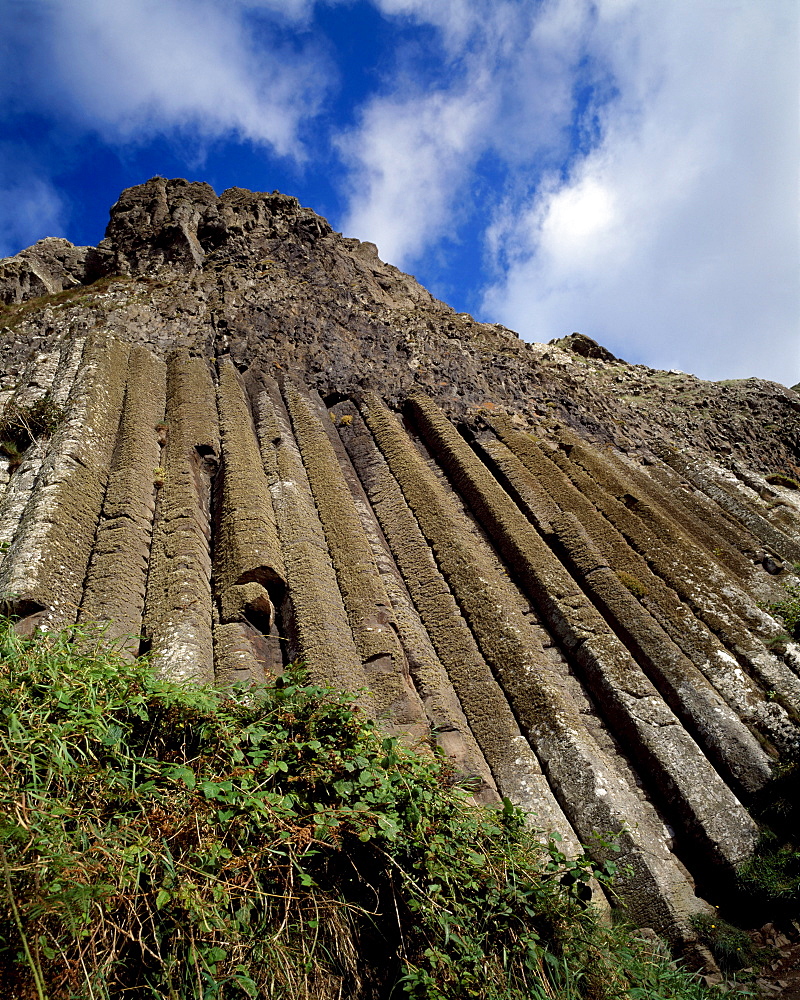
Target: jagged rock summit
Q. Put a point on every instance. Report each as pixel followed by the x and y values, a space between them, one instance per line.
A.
pixel 261 278
pixel 242 437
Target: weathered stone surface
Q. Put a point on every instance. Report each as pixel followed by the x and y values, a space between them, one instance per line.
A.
pixel 449 726
pixel 686 779
pixel 571 618
pixel 249 580
pixel 550 484
pixel 44 568
pixel 728 542
pixel 177 614
pixel 514 766
pixel 725 740
pixel 585 781
pixel 320 631
pixel 677 564
pixel 50 374
pixel 368 607
pixel 257 275
pixel 712 485
pixel 48 267
pixel 116 582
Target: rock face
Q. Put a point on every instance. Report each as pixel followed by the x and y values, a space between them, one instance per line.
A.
pixel 266 444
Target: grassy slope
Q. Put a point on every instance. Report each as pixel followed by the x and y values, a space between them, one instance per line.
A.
pixel 171 842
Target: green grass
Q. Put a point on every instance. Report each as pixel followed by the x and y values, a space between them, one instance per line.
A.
pixel 163 841
pixel 14 314
pixel 770 880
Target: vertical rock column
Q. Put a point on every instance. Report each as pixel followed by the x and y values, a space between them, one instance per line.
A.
pixel 717 728
pixel 680 570
pixel 18 491
pixel 591 791
pixel 703 575
pixel 117 577
pixel 44 570
pixel 543 490
pixel 177 616
pixel 315 618
pixel 723 539
pixel 729 744
pixel 249 575
pixel 368 607
pixel 40 378
pixel 716 489
pixel 707 808
pixel 445 715
pixel 514 765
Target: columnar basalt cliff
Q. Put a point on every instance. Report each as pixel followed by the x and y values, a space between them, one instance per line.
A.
pixel 265 444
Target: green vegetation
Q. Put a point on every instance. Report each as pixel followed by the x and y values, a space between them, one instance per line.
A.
pixel 770 880
pixel 788 610
pixel 12 315
pixel 160 841
pixel 633 583
pixel 22 424
pixel 731 947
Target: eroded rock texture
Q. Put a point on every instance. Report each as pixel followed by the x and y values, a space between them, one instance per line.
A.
pixel 266 444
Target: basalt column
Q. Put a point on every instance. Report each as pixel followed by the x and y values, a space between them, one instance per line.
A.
pixel 591 791
pixel 249 575
pixel 44 569
pixel 707 808
pixel 117 577
pixel 178 615
pixel 368 607
pixel 677 563
pixel 513 764
pixel 449 725
pixel 542 490
pixel 317 628
pixel 17 491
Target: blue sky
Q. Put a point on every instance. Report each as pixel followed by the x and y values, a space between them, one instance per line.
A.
pixel 625 168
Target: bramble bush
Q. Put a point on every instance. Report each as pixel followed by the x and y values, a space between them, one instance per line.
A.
pixel 166 841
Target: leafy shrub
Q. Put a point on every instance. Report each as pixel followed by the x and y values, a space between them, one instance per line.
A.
pixel 162 841
pixel 770 880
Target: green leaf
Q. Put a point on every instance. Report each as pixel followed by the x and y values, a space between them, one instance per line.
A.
pixel 183 774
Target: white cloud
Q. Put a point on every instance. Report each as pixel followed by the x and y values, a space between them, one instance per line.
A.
pixel 506 93
pixel 636 160
pixel 675 239
pixel 411 156
pixel 135 68
pixel 30 207
pixel 456 19
pixel 647 153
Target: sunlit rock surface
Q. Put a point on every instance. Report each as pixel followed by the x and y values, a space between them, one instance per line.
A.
pixel 265 445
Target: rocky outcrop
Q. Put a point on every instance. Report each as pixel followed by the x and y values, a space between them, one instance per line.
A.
pixel 270 446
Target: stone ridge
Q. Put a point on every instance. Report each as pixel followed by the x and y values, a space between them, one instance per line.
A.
pixel 268 445
pixel 260 277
